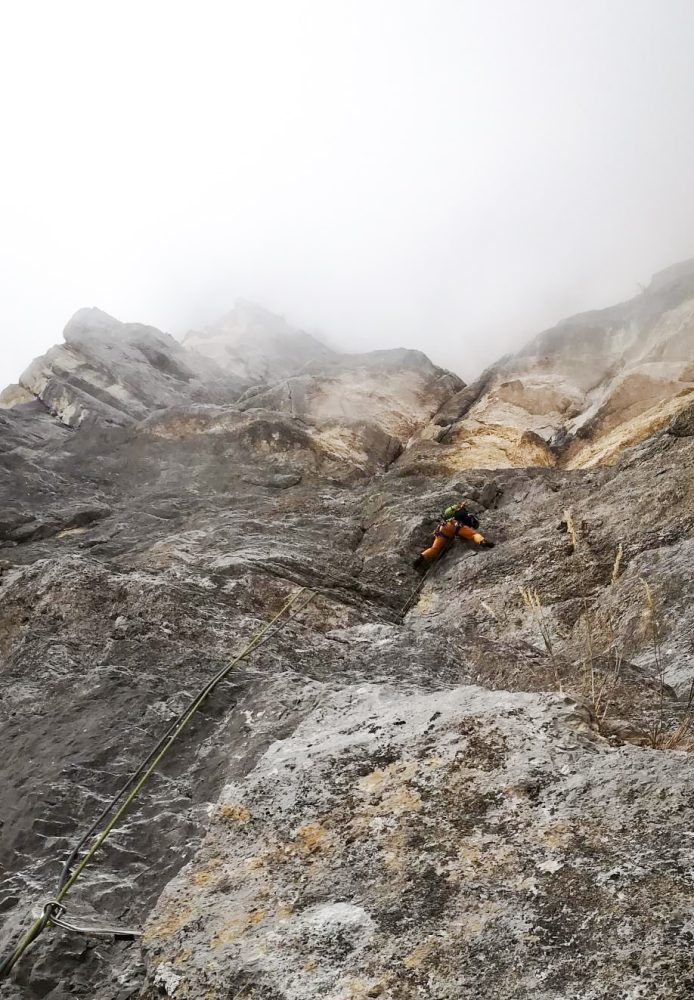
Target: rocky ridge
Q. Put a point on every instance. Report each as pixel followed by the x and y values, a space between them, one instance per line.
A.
pixel 582 392
pixel 252 342
pixel 375 800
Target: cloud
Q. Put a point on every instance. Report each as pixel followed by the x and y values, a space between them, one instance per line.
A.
pixel 445 175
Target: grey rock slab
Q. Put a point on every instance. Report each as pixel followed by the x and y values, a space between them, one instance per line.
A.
pixel 458 843
pixel 683 424
pixel 114 373
pixel 279 481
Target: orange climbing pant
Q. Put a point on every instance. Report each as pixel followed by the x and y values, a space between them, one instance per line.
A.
pixel 447 531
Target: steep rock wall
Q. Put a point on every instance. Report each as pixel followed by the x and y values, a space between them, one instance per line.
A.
pixel 376 799
pixel 594 384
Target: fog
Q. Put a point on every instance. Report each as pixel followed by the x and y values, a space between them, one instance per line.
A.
pixel 449 175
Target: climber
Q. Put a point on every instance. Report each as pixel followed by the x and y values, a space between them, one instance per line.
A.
pixel 457 522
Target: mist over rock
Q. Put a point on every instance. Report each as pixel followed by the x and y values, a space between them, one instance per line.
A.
pixel 580 393
pixel 253 343
pixel 476 784
pixel 354 412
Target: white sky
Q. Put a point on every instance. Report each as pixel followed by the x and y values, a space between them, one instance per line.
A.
pixel 451 175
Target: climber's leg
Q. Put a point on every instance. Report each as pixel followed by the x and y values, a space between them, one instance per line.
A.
pixel 470 534
pixel 436 547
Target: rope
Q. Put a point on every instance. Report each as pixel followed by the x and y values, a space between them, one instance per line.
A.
pixel 348 584
pixel 136 782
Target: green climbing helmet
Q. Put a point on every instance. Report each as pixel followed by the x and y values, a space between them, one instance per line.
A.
pixel 451 511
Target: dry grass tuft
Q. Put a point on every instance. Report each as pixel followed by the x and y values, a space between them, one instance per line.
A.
pixel 571 528
pixel 601 656
pixel 617 564
pixel 532 601
pixel 682 736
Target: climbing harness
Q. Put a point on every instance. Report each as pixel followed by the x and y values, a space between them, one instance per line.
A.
pixel 54 910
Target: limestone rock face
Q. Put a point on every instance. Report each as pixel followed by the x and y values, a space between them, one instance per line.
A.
pixel 380 392
pixel 347 398
pixel 255 344
pixel 474 784
pixel 115 373
pixel 584 390
pixel 443 844
pixel 14 394
pixel 354 411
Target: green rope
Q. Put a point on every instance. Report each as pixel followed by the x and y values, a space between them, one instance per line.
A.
pixel 41 922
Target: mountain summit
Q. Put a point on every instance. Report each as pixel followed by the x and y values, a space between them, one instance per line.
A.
pixel 254 343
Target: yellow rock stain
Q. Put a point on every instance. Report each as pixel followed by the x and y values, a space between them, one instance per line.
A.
pixel 379 780
pixel 207 874
pixel 234 813
pixel 235 928
pixel 556 835
pixel 419 955
pixel 310 838
pixel 175 917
